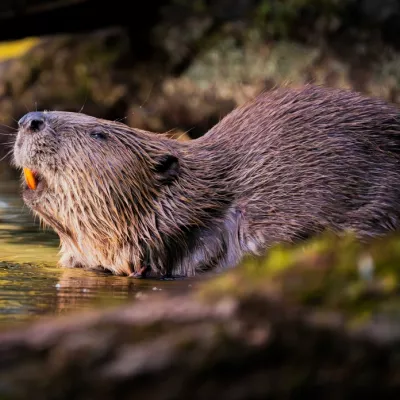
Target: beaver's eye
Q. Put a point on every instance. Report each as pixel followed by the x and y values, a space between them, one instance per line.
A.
pixel 98 135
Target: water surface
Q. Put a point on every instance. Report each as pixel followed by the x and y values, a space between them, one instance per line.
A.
pixel 31 284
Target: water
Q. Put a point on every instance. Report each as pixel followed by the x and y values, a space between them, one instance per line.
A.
pixel 31 284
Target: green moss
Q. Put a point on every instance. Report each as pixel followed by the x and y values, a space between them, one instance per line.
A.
pixel 327 274
pixel 280 18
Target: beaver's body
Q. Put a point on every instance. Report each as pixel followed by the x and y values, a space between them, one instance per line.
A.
pixel 288 165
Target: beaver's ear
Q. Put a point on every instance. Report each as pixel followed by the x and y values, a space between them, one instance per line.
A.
pixel 167 168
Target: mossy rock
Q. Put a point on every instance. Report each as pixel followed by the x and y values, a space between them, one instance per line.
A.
pixel 288 325
pixel 330 274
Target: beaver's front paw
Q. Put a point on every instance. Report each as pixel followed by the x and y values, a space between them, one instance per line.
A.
pixel 142 273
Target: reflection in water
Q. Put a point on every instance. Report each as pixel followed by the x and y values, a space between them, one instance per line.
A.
pixel 31 285
pixel 28 291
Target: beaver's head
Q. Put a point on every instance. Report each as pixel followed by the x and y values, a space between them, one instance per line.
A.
pixel 77 153
pixel 89 178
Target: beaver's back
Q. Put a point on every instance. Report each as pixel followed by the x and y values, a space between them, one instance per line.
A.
pixel 303 160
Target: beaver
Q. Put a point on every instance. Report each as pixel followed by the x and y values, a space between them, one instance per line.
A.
pixel 284 167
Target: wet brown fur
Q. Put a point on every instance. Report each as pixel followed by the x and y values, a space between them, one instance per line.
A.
pixel 286 166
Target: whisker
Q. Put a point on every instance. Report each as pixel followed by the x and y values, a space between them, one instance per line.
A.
pixel 10 150
pixel 7 134
pixel 84 103
pixel 120 119
pixel 27 109
pixel 21 210
pixel 8 126
pixel 184 133
pixel 148 96
pixel 6 155
pixel 168 131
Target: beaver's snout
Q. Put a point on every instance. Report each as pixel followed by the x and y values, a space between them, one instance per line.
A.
pixel 35 152
pixel 32 122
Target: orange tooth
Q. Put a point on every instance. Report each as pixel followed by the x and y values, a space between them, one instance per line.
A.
pixel 30 178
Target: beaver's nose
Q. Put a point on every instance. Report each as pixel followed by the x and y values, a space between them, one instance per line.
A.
pixel 33 121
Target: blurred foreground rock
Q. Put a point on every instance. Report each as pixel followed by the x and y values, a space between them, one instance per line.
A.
pixel 318 321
